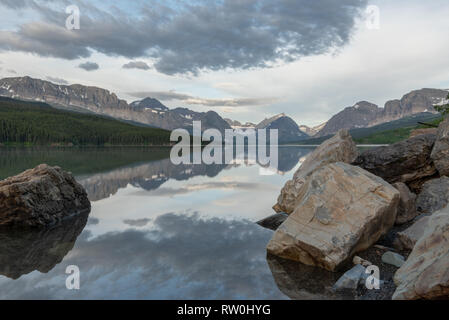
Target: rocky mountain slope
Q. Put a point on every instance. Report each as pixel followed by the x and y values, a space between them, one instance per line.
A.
pixel 100 101
pixel 365 114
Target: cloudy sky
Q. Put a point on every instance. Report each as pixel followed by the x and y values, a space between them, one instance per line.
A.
pixel 245 59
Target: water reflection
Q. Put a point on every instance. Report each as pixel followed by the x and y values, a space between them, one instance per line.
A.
pixel 156 230
pixel 23 251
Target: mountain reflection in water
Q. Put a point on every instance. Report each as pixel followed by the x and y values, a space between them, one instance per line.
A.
pixel 156 230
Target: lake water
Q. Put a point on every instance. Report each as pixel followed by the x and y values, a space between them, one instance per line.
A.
pixel 156 230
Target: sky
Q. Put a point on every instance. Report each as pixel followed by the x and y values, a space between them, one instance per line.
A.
pixel 245 59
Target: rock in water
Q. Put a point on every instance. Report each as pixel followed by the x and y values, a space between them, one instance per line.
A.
pixel 406 161
pixel 425 274
pixel 340 148
pixel 408 238
pixel 274 221
pixel 434 195
pixel 407 208
pixel 40 196
pixel 440 152
pixel 341 210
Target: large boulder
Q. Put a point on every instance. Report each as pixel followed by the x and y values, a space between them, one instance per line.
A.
pixel 40 197
pixel 340 148
pixel 434 195
pixel 341 210
pixel 407 208
pixel 440 152
pixel 425 274
pixel 406 161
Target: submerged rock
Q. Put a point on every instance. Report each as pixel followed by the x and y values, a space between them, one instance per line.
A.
pixel 406 161
pixel 40 197
pixel 340 148
pixel 407 208
pixel 440 152
pixel 434 195
pixel 274 221
pixel 342 209
pixel 425 273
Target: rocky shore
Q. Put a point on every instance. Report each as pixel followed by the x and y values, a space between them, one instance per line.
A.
pixel 345 215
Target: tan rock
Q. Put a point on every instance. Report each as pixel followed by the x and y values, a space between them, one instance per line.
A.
pixel 440 152
pixel 407 208
pixel 341 210
pixel 340 148
pixel 425 274
pixel 418 132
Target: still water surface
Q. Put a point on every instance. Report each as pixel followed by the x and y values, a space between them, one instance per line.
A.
pixel 156 230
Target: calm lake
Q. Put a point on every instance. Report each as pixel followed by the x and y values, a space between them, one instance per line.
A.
pixel 156 230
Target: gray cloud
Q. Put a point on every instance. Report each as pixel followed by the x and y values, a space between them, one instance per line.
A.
pixel 89 66
pixel 191 100
pixel 136 65
pixel 188 38
pixel 57 80
pixel 12 71
pixel 137 222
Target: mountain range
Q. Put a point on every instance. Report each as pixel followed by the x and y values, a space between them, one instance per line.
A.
pixel 365 114
pixel 152 112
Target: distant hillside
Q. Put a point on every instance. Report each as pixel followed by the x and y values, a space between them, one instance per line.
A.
pixel 365 114
pixel 36 123
pixel 389 132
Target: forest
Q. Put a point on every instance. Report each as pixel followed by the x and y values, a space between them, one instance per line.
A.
pixel 34 123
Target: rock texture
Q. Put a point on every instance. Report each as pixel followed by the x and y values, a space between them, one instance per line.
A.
pixel 406 240
pixel 40 196
pixel 341 148
pixel 406 161
pixel 440 153
pixel 341 210
pixel 434 195
pixel 425 274
pixel 407 208
pixel 365 114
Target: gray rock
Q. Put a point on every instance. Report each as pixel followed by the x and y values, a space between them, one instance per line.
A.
pixel 408 238
pixel 440 152
pixel 393 258
pixel 406 161
pixel 351 279
pixel 273 222
pixel 40 197
pixel 434 195
pixel 407 208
